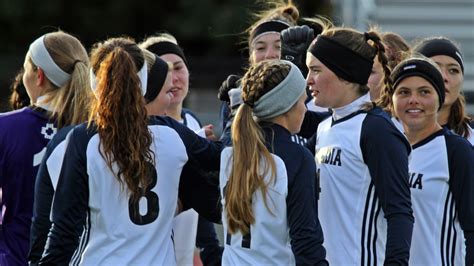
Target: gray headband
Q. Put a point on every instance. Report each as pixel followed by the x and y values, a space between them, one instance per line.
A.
pixel 281 98
pixel 42 59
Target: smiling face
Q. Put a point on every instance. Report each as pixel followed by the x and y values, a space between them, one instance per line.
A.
pixel 180 78
pixel 267 46
pixel 416 104
pixel 326 88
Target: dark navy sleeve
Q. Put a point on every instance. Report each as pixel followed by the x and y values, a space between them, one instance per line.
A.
pixel 70 201
pixel 207 153
pixel 385 151
pixel 43 198
pixel 311 121
pixel 224 114
pixel 461 182
pixel 207 242
pixel 302 212
pixel 311 144
pixel 196 192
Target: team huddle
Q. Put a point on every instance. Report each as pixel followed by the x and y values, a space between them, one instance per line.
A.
pixel 338 147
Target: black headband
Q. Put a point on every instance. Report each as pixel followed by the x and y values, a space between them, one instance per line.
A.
pixel 161 48
pixel 420 68
pixel 268 26
pixel 434 47
pixel 156 78
pixel 341 60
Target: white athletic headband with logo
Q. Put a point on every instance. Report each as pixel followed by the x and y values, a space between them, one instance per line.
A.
pixel 42 59
pixel 142 75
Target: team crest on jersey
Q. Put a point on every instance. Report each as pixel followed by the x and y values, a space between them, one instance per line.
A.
pixel 329 155
pixel 49 131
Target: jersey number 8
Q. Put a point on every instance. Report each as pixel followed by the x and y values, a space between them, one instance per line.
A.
pixel 152 202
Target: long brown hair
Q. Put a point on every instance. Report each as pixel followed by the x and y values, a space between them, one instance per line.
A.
pixel 119 113
pixel 70 102
pixel 249 150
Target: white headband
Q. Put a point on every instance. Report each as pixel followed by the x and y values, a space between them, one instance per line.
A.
pixel 41 58
pixel 142 75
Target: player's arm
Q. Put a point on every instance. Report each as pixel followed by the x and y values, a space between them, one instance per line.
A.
pixel 70 202
pixel 461 182
pixel 196 192
pixel 385 151
pixel 203 151
pixel 305 231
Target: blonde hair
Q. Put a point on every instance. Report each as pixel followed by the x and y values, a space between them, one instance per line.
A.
pixel 69 103
pixel 249 150
pixel 161 37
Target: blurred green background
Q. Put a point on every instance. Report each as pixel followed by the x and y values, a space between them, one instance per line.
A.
pixel 210 31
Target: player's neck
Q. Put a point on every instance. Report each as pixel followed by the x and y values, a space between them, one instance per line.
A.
pixel 174 111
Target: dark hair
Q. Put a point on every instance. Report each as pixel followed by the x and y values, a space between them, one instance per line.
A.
pixel 19 97
pixel 366 44
pixel 119 113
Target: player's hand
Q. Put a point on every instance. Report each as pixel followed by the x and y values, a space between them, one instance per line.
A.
pixel 232 81
pixel 295 42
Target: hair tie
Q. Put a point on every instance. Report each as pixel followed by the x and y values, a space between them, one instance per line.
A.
pixel 249 104
pixel 77 61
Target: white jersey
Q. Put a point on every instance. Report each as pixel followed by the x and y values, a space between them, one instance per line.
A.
pixel 362 163
pixel 441 180
pixel 291 232
pixel 117 230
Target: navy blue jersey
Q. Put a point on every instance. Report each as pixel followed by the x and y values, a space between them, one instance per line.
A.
pixel 442 185
pixel 24 135
pixel 364 200
pixel 290 233
pixel 118 231
pixel 46 181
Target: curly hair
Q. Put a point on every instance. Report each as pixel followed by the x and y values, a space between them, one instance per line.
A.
pixel 119 113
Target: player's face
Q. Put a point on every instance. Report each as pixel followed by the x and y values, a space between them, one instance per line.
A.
pixel 326 88
pixel 452 76
pixel 180 78
pixel 30 79
pixel 416 103
pixel 267 46
pixel 296 115
pixel 165 96
pixel 375 79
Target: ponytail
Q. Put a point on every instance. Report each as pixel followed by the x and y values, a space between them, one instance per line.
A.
pixel 249 152
pixel 120 116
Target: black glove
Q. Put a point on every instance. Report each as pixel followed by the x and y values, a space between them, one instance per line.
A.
pixel 232 81
pixel 295 42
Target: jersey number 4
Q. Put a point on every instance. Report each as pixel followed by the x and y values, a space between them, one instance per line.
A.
pixel 152 202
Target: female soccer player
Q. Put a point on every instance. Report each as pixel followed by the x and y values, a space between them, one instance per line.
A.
pixel 362 159
pixel 121 171
pixel 449 58
pixel 441 168
pixel 57 82
pixel 157 98
pixel 186 224
pixel 267 181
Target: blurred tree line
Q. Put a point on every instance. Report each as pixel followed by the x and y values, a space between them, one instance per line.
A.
pixel 210 31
